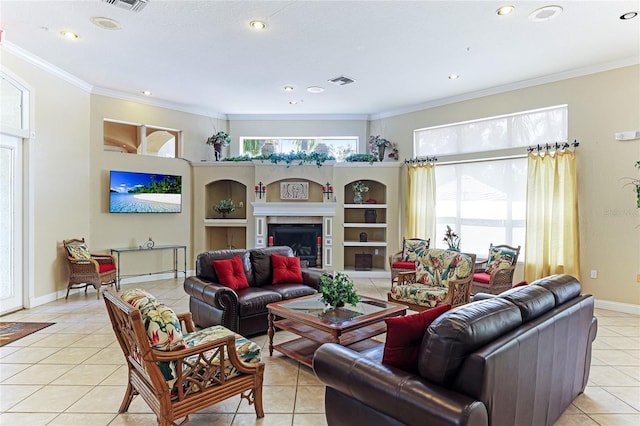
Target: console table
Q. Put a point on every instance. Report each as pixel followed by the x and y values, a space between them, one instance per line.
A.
pixel 175 270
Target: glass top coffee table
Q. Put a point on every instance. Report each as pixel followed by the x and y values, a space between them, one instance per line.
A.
pixel 349 325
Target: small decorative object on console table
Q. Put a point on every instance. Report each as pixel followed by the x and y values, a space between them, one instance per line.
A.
pixel 219 140
pixel 452 239
pixel 358 188
pixel 148 244
pixel 224 207
pixel 337 289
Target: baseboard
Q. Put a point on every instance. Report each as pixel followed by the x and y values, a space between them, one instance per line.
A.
pixel 60 294
pixel 626 308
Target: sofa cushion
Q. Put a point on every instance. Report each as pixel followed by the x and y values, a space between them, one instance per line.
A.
pixel 231 273
pixel 437 266
pixel 254 300
pixel 290 291
pixel 404 336
pixel 206 271
pixel 460 331
pixel 106 267
pixel 500 257
pixel 140 299
pixel 532 301
pixel 563 287
pixel 286 269
pixel 481 277
pixel 413 248
pixel 261 263
pixel 403 265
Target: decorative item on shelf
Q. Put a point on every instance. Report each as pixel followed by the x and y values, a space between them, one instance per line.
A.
pixel 319 252
pixel 321 148
pixel 148 244
pixel 261 189
pixel 377 146
pixel 218 141
pixel 270 240
pixel 337 290
pixel 224 207
pixel 371 201
pixel 364 262
pixel 370 216
pixel 358 188
pixel 363 237
pixel 267 149
pixel 452 239
pixel 327 190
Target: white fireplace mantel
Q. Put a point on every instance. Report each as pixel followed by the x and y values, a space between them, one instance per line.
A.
pixel 293 209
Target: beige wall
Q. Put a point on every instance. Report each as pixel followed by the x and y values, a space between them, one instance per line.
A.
pixel 599 105
pixel 69 169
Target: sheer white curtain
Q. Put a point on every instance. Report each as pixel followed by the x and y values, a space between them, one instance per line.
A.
pixel 420 220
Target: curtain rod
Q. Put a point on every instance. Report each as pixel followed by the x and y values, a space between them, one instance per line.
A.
pixel 420 160
pixel 553 147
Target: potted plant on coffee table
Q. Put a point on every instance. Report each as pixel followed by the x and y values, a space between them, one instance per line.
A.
pixel 337 290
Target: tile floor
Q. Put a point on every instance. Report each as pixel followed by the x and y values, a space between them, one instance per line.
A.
pixel 72 373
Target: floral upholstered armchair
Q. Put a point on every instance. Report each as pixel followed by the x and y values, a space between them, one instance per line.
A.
pixel 495 275
pixel 441 277
pixel 405 260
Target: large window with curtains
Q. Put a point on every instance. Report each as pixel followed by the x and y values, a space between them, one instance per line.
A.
pixel 483 196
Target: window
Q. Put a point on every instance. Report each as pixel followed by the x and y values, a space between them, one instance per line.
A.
pixel 339 147
pixel 140 139
pixel 483 199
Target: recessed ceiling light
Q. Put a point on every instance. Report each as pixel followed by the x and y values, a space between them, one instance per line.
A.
pixel 288 88
pixel 106 23
pixel 453 76
pixel 293 102
pixel 257 25
pixel 146 93
pixel 629 15
pixel 545 13
pixel 505 10
pixel 69 35
pixel 315 89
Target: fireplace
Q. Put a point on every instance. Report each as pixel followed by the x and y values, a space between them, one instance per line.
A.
pixel 302 238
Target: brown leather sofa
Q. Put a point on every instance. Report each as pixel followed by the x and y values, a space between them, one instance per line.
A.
pixel 243 311
pixel 518 358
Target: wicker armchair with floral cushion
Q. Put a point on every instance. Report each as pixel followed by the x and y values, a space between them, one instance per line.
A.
pixel 441 277
pixel 175 369
pixel 86 268
pixel 405 260
pixel 495 275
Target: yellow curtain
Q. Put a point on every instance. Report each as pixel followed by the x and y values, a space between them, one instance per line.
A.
pixel 552 244
pixel 420 201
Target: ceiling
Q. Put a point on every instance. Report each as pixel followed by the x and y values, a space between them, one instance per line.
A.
pixel 202 56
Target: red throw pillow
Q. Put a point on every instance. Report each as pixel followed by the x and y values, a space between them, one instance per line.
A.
pixel 286 269
pixel 521 283
pixel 404 336
pixel 230 273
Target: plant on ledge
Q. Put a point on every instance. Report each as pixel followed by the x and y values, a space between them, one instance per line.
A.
pixel 224 207
pixel 361 158
pixel 636 185
pixel 452 239
pixel 218 141
pixel 301 157
pixel 337 290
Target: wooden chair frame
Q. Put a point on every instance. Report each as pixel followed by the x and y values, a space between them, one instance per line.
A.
pixel 199 383
pixel 459 291
pixel 86 272
pixel 501 279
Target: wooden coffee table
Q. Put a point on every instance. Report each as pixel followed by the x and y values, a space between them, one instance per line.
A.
pixel 351 326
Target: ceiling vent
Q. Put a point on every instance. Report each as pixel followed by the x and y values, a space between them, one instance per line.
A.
pixel 133 5
pixel 342 80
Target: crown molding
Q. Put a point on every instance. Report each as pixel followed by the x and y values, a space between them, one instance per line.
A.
pixel 297 117
pixel 551 78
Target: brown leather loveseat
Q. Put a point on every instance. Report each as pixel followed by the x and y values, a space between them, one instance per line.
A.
pixel 518 358
pixel 243 311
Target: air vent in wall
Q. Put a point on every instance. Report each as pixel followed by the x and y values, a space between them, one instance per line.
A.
pixel 133 5
pixel 342 80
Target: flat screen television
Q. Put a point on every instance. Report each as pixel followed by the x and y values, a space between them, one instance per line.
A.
pixel 132 192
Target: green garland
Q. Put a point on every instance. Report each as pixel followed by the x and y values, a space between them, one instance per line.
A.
pixel 300 157
pixel 361 158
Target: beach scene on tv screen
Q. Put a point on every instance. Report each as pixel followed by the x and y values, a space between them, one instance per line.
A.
pixel 144 193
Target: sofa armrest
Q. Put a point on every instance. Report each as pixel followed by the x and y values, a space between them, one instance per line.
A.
pixel 311 277
pixel 219 297
pixel 398 394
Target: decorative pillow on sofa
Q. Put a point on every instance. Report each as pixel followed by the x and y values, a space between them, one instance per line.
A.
pixel 413 248
pixel 286 269
pixel 230 272
pixel 163 328
pixel 404 336
pixel 79 251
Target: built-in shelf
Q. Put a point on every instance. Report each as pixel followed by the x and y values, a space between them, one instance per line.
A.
pixel 365 206
pixel 365 243
pixel 365 225
pixel 225 222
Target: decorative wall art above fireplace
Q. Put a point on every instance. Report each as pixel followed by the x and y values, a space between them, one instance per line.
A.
pixel 294 190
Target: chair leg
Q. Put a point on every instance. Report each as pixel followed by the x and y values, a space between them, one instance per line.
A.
pixel 128 397
pixel 257 400
pixel 68 288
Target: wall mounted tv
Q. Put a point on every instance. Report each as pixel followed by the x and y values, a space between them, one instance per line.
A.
pixel 131 192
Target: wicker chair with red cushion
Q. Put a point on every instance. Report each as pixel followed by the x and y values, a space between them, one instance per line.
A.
pixel 405 260
pixel 495 275
pixel 86 268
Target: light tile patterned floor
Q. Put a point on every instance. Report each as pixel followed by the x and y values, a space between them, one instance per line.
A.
pixel 72 373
